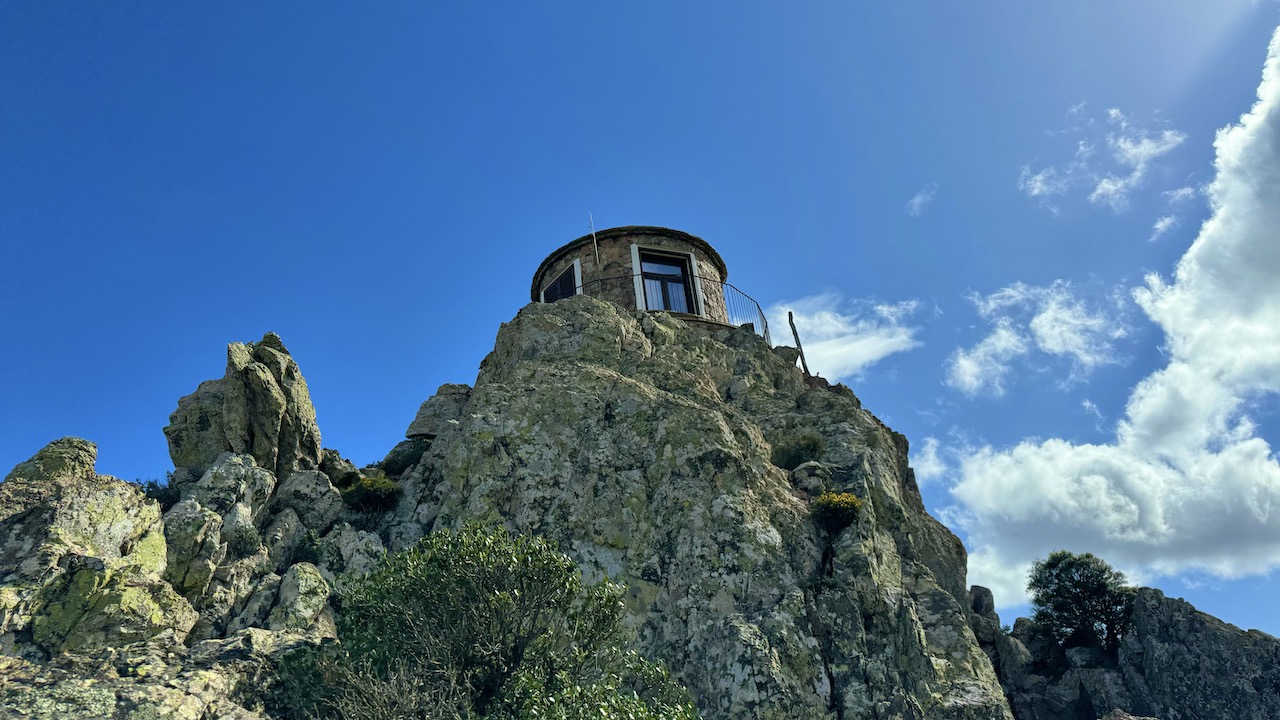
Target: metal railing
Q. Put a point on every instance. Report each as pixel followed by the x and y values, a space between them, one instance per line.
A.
pixel 722 299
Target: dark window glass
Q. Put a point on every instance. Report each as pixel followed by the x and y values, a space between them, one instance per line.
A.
pixel 667 284
pixel 564 286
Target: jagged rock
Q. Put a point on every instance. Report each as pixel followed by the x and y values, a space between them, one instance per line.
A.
pixel 1181 663
pixel 140 681
pixel 1174 662
pixel 1122 715
pixel 233 583
pixel 315 500
pixel 440 412
pixel 283 537
pixel 195 547
pixel 261 407
pixel 340 471
pixel 240 532
pixel 346 550
pixel 303 602
pixel 404 456
pixel 81 558
pixel 812 477
pixel 258 608
pixel 231 479
pixel 615 434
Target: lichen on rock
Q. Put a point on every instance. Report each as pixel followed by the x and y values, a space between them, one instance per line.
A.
pixel 643 446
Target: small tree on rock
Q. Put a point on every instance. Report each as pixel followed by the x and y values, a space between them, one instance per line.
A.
pixel 1081 599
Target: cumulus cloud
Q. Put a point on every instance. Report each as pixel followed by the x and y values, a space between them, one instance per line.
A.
pixel 1187 483
pixel 842 339
pixel 1049 319
pixel 922 200
pixel 1110 178
pixel 926 461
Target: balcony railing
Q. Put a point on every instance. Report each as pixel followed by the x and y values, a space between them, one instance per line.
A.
pixel 721 298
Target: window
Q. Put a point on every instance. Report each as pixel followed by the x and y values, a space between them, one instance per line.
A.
pixel 666 283
pixel 562 287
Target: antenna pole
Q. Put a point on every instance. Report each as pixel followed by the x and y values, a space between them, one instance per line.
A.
pixel 591 221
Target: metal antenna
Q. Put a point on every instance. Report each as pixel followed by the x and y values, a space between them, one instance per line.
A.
pixel 591 221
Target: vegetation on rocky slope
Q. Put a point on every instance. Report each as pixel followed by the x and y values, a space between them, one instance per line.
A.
pixel 477 624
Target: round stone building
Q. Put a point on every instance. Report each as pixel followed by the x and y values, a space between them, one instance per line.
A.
pixel 648 268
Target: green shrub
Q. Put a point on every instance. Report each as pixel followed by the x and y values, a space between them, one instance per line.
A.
pixel 792 452
pixel 477 624
pixel 834 512
pixel 165 494
pixel 372 494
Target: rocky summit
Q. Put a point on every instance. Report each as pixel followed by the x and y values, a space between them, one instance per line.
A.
pixel 686 463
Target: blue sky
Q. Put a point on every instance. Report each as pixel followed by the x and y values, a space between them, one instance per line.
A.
pixel 978 214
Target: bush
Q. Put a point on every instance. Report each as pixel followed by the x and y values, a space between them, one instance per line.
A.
pixel 165 494
pixel 793 452
pixel 834 512
pixel 372 494
pixel 1080 599
pixel 477 624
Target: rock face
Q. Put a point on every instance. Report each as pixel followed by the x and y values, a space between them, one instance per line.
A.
pixel 81 558
pixel 644 447
pixel 261 407
pixel 109 608
pixel 683 462
pixel 1175 663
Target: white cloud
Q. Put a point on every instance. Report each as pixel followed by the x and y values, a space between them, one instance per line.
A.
pixel 1179 196
pixel 1092 408
pixel 842 339
pixel 1049 319
pixel 1135 151
pixel 983 369
pixel 922 200
pixel 1187 484
pixel 1162 225
pixel 926 461
pixel 1109 180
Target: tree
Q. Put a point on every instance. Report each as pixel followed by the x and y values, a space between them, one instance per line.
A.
pixel 1080 598
pixel 477 624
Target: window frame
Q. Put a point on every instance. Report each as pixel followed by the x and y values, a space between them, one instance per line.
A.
pixel 693 285
pixel 576 269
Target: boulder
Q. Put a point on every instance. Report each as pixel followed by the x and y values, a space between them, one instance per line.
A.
pixel 346 551
pixel 195 547
pixel 303 601
pixel 315 500
pixel 231 480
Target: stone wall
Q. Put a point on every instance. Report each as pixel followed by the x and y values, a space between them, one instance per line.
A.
pixel 612 276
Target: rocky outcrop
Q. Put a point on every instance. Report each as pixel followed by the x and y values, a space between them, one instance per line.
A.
pixel 154 679
pixel 1180 663
pixel 109 609
pixel 81 558
pixel 1174 663
pixel 261 407
pixel 682 462
pixel 643 446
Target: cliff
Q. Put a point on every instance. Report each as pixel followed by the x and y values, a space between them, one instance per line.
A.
pixel 682 463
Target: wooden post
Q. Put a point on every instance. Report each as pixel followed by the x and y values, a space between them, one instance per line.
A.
pixel 804 365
